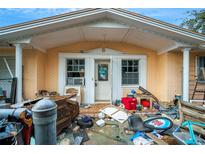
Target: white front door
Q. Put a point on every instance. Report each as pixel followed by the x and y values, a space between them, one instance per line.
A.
pixel 102 80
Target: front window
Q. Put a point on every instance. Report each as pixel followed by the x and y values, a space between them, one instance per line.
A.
pixel 130 72
pixel 75 71
pixel 201 68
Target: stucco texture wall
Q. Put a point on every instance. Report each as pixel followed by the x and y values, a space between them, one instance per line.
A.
pixel 33 70
pixel 51 82
pixel 164 71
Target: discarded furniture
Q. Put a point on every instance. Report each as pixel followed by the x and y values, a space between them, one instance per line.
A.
pixel 26 104
pixel 115 113
pixel 76 91
pixel 67 111
pixel 192 116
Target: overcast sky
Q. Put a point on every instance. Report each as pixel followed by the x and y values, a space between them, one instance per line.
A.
pixel 13 16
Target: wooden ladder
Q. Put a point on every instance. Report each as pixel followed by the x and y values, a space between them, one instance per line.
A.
pixel 198 90
pixel 199 82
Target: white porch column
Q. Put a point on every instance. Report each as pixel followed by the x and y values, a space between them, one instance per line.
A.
pixel 186 74
pixel 19 72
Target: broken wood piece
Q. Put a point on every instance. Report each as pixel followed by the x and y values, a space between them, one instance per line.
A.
pixel 157 140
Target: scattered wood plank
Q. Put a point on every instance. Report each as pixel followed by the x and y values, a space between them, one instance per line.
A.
pixel 157 140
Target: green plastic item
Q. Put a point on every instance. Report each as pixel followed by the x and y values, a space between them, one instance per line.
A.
pixel 139 107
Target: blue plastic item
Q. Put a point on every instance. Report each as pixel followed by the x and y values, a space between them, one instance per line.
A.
pixel 192 140
pixel 137 134
pixel 86 119
pixel 133 91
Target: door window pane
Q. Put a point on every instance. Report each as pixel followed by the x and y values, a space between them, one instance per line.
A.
pixel 102 72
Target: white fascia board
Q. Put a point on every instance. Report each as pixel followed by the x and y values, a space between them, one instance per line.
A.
pixel 22 41
pixel 162 26
pixel 202 46
pixel 172 47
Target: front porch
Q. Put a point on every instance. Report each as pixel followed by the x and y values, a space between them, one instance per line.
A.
pixel 114 35
pixel 45 71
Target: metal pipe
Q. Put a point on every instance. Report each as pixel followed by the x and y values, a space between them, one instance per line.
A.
pixel 21 114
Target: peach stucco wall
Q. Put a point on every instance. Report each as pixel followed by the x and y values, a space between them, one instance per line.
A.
pixel 164 71
pixel 161 81
pixel 33 70
pixel 51 82
pixel 174 74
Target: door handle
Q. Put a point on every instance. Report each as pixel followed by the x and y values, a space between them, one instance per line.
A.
pixel 96 83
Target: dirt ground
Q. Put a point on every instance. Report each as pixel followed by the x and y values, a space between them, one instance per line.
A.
pixel 93 110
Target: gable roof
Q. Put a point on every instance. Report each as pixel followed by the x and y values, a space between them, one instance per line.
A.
pixel 117 10
pixel 36 27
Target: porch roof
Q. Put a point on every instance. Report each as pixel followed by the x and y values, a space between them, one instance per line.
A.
pixel 101 25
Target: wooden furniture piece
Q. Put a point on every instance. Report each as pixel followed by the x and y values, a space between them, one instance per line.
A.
pixel 140 97
pixel 193 112
pixel 67 111
pixel 74 90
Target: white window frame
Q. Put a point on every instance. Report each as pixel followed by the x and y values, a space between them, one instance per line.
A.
pixel 138 73
pixel 196 67
pixel 71 71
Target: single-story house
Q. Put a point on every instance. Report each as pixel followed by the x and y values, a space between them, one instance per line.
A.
pixel 107 52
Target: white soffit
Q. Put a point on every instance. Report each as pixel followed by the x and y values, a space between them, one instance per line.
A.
pixel 104 34
pixel 148 40
pixel 58 38
pixel 107 23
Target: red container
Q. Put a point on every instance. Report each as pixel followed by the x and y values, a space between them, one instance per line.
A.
pixel 145 103
pixel 129 103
